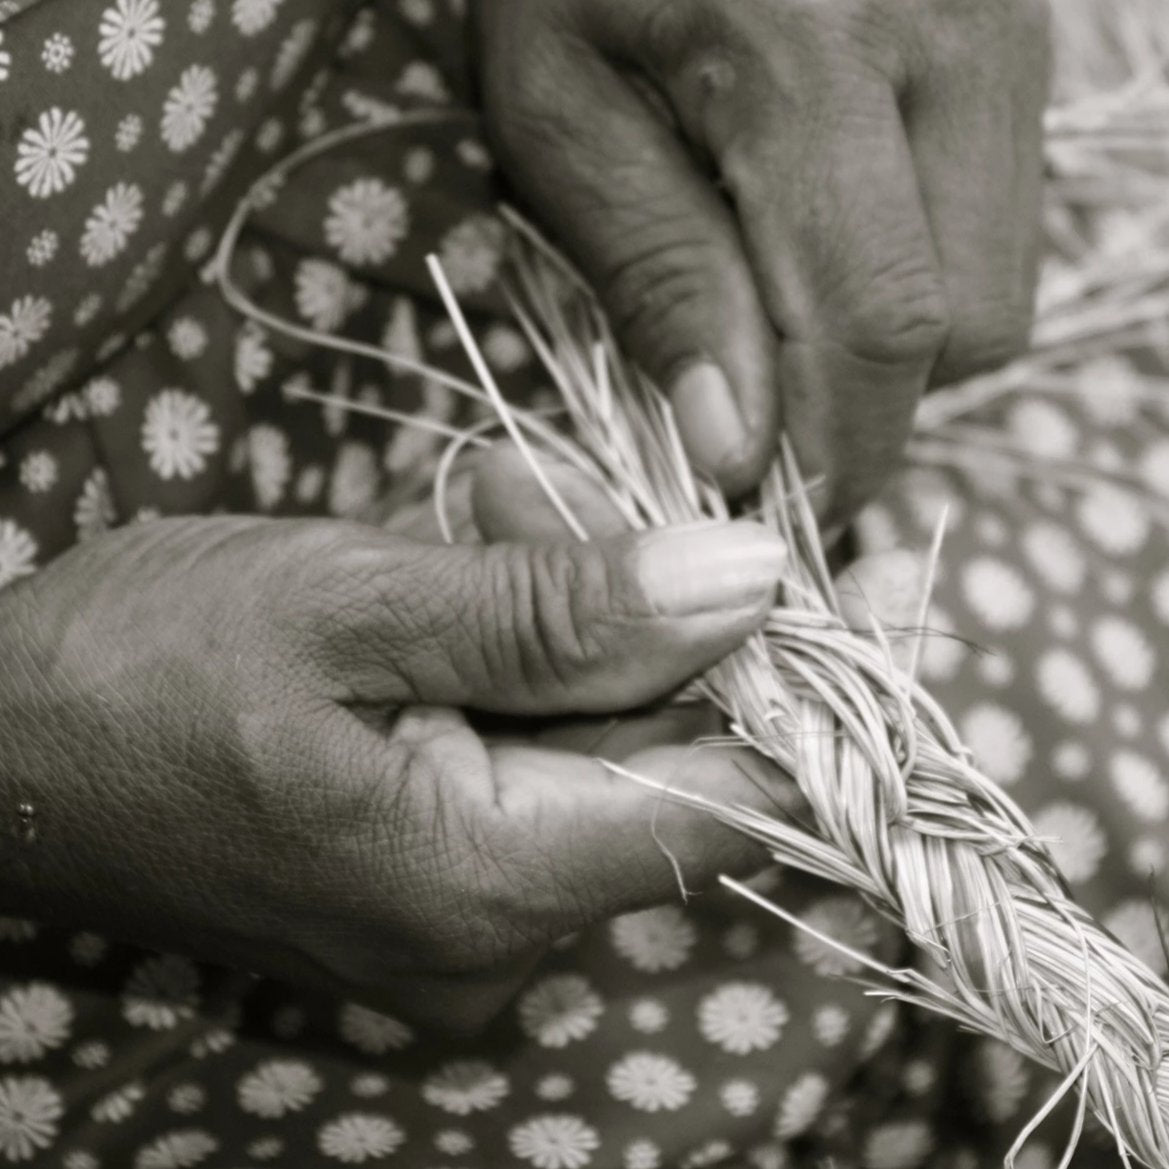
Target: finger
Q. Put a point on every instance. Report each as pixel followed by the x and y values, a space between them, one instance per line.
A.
pixel 617 739
pixel 976 130
pixel 509 504
pixel 534 629
pixel 653 235
pixel 609 845
pixel 810 144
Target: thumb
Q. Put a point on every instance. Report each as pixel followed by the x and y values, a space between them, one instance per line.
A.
pixel 621 191
pixel 612 845
pixel 542 629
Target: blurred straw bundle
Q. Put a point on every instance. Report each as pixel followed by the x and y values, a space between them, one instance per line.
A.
pixel 895 808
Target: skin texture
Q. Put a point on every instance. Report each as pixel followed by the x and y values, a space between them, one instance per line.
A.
pixel 796 211
pixel 244 739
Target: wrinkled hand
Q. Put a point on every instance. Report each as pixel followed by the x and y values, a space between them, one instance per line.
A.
pixel 241 738
pixel 801 208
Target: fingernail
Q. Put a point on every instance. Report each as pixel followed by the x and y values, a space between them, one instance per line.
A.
pixel 708 416
pixel 706 567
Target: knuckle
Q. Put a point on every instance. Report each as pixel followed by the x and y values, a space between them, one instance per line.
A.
pixel 662 276
pixel 905 322
pixel 558 589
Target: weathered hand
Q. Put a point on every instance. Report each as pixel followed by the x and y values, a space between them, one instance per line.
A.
pixel 241 738
pixel 796 209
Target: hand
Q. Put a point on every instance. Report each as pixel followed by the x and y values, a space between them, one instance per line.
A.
pixel 837 200
pixel 239 738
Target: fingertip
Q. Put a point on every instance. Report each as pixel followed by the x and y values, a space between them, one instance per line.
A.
pixel 728 432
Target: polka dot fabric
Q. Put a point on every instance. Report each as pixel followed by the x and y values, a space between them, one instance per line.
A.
pixel 676 1037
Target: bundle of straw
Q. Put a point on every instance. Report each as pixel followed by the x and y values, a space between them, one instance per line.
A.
pixel 896 809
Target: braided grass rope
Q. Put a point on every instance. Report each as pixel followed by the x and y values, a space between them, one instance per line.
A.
pixel 897 810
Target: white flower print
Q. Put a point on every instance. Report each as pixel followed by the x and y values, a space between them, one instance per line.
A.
pixel 325 295
pixel 650 1083
pixel 1002 748
pixel 359 1137
pixel 92 1055
pixel 1067 686
pixel 5 60
pixel 25 323
pixel 46 381
pixel 88 949
pixel 560 1010
pixel 1139 928
pixel 247 84
pixel 265 1148
pixel 175 199
pixel 128 133
pixel 130 31
pixel 1075 838
pixel 253 357
pixel 801 1106
pixel 899 1145
pixel 1055 556
pixel 278 1087
pixel 714 1152
pixel 369 1085
pixel 111 224
pixel 505 349
pixel 38 472
pixel 292 52
pixel 161 992
pixel 999 1079
pixel 473 154
pixel 997 593
pixel 213 1042
pixel 253 16
pixel 654 940
pixel 417 11
pixel 422 80
pixel 188 107
pixel 102 396
pixel 178 434
pixel 1147 857
pixel 641 1154
pixel 366 221
pixel 739 1097
pixel 187 338
pixel 200 15
pixel 554 1141
pixel 879 1030
pixel 465 1086
pixel 355 479
pixel 34 1019
pixel 453 1143
pixel 420 162
pixel 470 253
pixel 1124 652
pixel 741 1017
pixel 180 1149
pixel 140 281
pixel 48 156
pixel 371 1032
pixel 29 1110
pixel 80 1159
pixel 42 248
pixel 270 464
pixel 842 919
pixel 18 551
pixel 220 162
pixel 14 929
pixel 1114 520
pixel 309 484
pixel 830 1024
pixel 555 1086
pixel 118 1105
pixel 57 54
pixel 648 1016
pixel 187 1098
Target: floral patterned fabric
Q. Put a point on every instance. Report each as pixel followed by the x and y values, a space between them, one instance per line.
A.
pixel 681 1036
